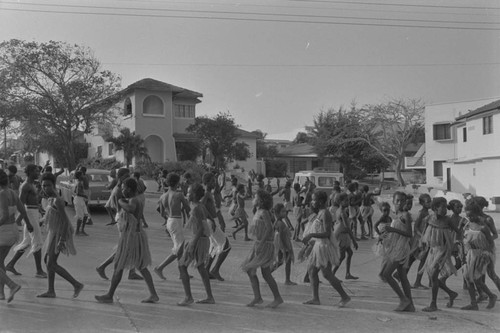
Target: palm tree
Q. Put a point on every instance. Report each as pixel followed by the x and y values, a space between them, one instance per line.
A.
pixel 131 144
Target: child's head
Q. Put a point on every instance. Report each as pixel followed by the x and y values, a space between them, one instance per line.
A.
pixel 296 187
pixel 279 211
pixel 425 200
pixel 173 180
pixel 455 206
pixel 197 192
pixel 409 202
pixel 263 200
pixel 129 188
pixel 234 181
pixel 288 184
pixel 137 175
pixel 342 200
pixel 78 175
pixel 336 188
pixel 208 179
pixel 399 200
pixel 385 208
pixel 241 189
pixel 319 199
pixel 481 201
pixel 439 206
pixel 365 189
pixel 352 187
pixel 472 209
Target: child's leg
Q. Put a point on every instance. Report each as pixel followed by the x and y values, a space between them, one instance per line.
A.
pixel 313 276
pixel 387 274
pixel 403 275
pixel 336 284
pixel 369 223
pixel 348 274
pixel 208 288
pixel 222 256
pixel 493 275
pixel 38 263
pixel 453 295
pixel 115 281
pixel 254 281
pixel 420 274
pixel 222 223
pixel 342 257
pixel 266 274
pixel 238 228
pixel 288 223
pixel 435 288
pixel 153 296
pixel 278 262
pixel 288 271
pixel 472 294
pixel 362 226
pixel 102 267
pixel 159 269
pixel 188 299
pixel 484 288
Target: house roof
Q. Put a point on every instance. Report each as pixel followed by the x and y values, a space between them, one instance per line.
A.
pixel 298 150
pixel 152 84
pixel 488 107
pixel 246 134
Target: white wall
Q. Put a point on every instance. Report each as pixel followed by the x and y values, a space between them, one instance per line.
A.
pixel 479 145
pixel 251 162
pixel 444 150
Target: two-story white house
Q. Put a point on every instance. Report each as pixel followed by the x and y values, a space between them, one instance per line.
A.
pixel 157 111
pixel 462 147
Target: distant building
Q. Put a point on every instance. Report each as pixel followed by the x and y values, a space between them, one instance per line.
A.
pixel 250 163
pixel 462 147
pixel 157 111
pixel 303 157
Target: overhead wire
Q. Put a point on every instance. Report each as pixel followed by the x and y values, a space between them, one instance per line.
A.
pixel 247 19
pixel 396 4
pixel 253 13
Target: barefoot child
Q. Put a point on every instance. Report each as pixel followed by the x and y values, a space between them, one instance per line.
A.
pixel 59 238
pixel 197 250
pixel 240 214
pixel 380 226
pixel 478 244
pixel 344 235
pixel 286 193
pixel 219 243
pixel 439 238
pixel 262 254
pixel 397 253
pixel 133 248
pixel 367 209
pixel 324 253
pixel 172 205
pixel 282 243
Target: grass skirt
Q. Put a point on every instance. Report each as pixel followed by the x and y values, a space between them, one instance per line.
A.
pixel 133 247
pixel 199 256
pixel 396 246
pixel 54 235
pixel 440 242
pixel 262 255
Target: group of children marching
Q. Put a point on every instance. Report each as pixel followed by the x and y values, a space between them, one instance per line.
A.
pixel 326 226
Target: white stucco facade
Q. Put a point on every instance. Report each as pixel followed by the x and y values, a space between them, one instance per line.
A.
pixel 468 159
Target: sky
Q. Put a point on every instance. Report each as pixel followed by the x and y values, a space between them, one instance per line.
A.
pixel 275 64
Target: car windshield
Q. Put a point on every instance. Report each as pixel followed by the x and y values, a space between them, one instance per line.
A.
pixel 98 178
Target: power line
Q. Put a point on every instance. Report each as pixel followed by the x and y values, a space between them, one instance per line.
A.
pixel 251 13
pixel 299 65
pixel 396 4
pixel 252 19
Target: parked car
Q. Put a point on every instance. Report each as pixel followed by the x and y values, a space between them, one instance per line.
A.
pixel 98 182
pixel 322 179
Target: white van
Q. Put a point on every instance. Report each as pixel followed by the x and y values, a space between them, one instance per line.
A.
pixel 322 179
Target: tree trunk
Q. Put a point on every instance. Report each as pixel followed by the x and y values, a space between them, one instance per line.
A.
pixel 399 166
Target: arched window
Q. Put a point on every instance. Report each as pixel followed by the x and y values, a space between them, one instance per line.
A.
pixel 152 105
pixel 127 108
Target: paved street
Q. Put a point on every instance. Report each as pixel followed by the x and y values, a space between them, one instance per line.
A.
pixel 370 309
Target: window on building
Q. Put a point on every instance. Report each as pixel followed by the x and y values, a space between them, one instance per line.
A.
pixel 487 124
pixel 438 168
pixel 111 148
pixel 152 105
pixel 464 132
pixel 184 111
pixel 99 151
pixel 127 108
pixel 442 132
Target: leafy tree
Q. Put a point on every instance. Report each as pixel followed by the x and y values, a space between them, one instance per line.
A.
pixel 61 86
pixel 302 137
pixel 334 134
pixel 131 144
pixel 389 128
pixel 187 151
pixel 262 149
pixel 218 136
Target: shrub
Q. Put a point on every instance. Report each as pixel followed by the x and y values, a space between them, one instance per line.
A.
pixel 276 168
pixel 152 169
